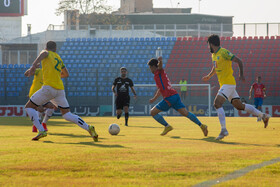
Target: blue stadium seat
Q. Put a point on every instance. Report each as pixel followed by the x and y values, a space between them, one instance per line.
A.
pixel 174 39
pixel 131 39
pixel 104 39
pixel 27 65
pixel 73 39
pixel 16 66
pixel 120 39
pixel 10 66
pixel 99 39
pixel 68 39
pixel 125 39
pixel 94 39
pixel 162 39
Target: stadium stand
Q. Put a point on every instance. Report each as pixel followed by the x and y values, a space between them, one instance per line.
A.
pixel 94 63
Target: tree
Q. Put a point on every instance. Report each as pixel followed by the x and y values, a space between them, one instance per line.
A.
pixel 85 7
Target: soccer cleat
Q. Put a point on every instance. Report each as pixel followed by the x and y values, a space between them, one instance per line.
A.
pixel 166 130
pixel 222 134
pixel 126 124
pixel 204 129
pixel 34 129
pixel 45 126
pixel 40 135
pixel 92 132
pixel 265 119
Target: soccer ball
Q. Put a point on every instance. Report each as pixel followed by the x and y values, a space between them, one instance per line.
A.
pixel 114 129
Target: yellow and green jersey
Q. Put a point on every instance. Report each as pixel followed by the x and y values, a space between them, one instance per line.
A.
pixel 222 61
pixel 37 82
pixel 51 67
pixel 183 88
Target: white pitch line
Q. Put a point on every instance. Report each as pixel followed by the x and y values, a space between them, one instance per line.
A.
pixel 238 173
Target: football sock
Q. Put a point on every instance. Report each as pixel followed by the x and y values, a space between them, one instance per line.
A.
pixel 252 110
pixel 193 118
pixel 33 115
pixel 222 117
pixel 126 117
pixel 119 115
pixel 75 119
pixel 48 115
pixel 160 119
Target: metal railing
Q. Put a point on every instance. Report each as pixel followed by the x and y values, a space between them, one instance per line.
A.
pixel 180 30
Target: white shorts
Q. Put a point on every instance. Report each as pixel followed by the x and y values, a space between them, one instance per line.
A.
pixel 228 92
pixel 48 93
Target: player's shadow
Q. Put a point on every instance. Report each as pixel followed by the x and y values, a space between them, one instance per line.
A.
pixel 89 144
pixel 213 140
pixel 70 135
pixel 146 127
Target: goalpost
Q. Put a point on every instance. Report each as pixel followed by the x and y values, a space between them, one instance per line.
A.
pixel 151 93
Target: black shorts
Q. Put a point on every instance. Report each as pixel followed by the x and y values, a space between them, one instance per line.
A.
pixel 122 101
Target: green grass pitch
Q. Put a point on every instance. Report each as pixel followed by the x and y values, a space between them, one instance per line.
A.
pixel 138 156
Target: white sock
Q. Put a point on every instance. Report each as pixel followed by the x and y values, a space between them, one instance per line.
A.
pixel 222 117
pixel 252 110
pixel 48 115
pixel 33 115
pixel 75 119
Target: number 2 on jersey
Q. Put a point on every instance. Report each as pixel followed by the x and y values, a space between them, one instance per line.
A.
pixel 57 64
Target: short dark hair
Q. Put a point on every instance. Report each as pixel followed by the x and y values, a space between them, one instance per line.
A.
pixel 123 68
pixel 153 62
pixel 51 45
pixel 214 39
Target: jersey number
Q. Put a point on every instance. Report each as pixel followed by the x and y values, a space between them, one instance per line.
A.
pixel 57 64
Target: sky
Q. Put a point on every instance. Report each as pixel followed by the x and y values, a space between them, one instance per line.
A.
pixel 41 13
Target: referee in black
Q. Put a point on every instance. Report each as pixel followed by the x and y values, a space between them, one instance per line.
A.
pixel 122 95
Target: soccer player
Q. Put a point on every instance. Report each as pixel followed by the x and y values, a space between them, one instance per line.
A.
pixel 122 95
pixel 259 94
pixel 171 98
pixel 52 90
pixel 183 89
pixel 37 83
pixel 222 66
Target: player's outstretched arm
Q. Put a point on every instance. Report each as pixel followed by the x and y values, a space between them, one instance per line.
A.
pixel 240 65
pixel 113 90
pixel 133 91
pixel 160 63
pixel 64 73
pixel 207 77
pixel 27 74
pixel 37 61
pixel 157 94
pixel 250 92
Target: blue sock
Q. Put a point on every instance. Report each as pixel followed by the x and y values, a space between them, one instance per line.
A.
pixel 192 117
pixel 160 119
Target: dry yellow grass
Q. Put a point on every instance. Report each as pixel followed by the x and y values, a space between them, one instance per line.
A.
pixel 138 156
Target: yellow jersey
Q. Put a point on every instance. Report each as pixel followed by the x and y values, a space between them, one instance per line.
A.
pixel 37 82
pixel 183 88
pixel 51 67
pixel 222 60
